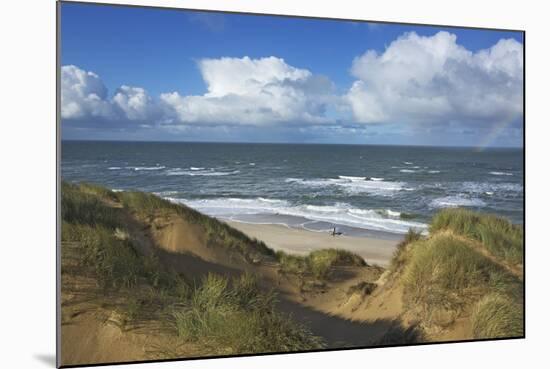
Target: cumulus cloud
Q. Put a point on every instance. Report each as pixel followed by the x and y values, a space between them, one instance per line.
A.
pixel 83 94
pixel 415 81
pixel 240 91
pixel 84 97
pixel 135 104
pixel 254 92
pixel 435 80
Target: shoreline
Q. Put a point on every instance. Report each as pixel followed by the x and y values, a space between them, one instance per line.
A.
pixel 375 251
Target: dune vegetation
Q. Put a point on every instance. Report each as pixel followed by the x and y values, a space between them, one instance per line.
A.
pixel 220 314
pixel 463 280
pixel 237 315
pixel 317 264
pixel 218 234
pixel 460 271
pixel 501 238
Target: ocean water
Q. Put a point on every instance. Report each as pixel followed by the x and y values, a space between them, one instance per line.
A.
pixel 361 190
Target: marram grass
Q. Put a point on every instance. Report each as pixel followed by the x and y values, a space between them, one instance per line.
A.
pixel 496 316
pixel 500 237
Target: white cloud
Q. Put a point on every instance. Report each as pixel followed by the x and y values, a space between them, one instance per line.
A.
pixel 134 103
pixel 435 80
pixel 83 94
pixel 239 91
pixel 85 97
pixel 254 92
pixel 414 80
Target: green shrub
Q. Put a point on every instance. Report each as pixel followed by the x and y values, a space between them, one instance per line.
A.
pixel 496 316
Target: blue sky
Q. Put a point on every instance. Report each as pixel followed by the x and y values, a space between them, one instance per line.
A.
pixel 330 73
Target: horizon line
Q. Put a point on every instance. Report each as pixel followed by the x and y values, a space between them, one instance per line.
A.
pixel 522 147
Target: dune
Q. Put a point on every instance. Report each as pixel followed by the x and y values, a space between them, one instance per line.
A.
pixel 139 273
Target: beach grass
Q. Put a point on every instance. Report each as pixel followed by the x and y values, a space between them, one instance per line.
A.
pixel 496 316
pixel 447 275
pixel 224 315
pixel 80 207
pixel 236 314
pixel 218 233
pixel 398 259
pixel 459 270
pixel 318 263
pixel 100 191
pixel 501 238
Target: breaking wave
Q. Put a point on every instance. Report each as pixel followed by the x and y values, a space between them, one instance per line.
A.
pixel 353 185
pixel 385 220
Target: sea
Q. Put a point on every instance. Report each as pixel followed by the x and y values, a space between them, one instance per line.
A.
pixel 361 190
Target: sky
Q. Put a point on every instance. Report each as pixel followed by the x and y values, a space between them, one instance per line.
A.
pixel 132 73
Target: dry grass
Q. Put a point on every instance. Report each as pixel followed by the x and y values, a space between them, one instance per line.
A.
pixel 318 264
pixel 236 317
pixel 398 259
pixel 445 276
pixel 501 238
pixel 218 233
pixel 496 316
pixel 226 316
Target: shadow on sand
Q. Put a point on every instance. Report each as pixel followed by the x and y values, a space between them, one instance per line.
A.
pixel 337 332
pixel 343 333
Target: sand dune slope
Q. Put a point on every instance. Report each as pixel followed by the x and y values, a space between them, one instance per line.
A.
pixel 346 303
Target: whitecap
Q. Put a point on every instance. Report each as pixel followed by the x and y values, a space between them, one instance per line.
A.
pixel 338 213
pixel 407 171
pixel 483 187
pixel 392 213
pixel 501 173
pixel 456 201
pixel 148 168
pixel 351 178
pixel 193 173
pixel 166 193
pixel 353 186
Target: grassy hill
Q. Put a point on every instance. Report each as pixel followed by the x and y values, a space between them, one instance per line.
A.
pixel 216 313
pixel 468 270
pixel 150 279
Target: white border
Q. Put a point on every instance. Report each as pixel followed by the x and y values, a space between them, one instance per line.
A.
pixel 27 152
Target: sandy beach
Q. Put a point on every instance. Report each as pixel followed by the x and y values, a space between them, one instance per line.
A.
pixel 301 241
